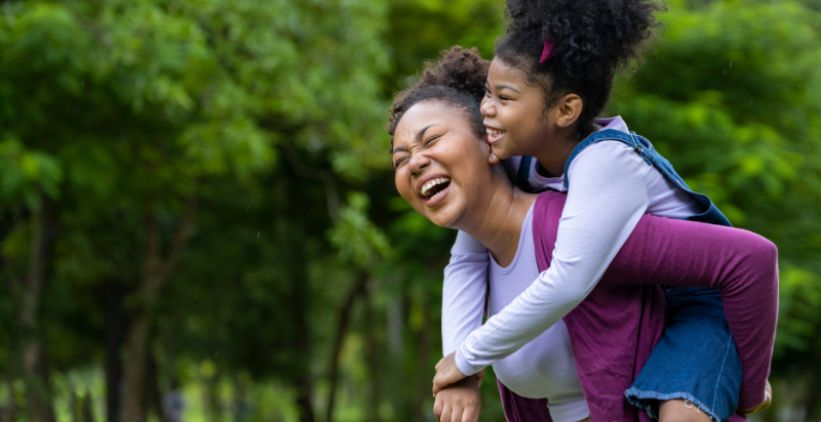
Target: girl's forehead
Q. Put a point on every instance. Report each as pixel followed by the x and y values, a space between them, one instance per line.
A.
pixel 499 67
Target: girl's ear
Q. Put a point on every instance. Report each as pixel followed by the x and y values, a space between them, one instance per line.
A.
pixel 568 109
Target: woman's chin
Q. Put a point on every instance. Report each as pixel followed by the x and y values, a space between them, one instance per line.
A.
pixel 446 217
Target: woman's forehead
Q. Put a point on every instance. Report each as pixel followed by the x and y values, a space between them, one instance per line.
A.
pixel 426 114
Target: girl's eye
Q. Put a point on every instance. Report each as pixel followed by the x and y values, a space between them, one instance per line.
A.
pixel 504 98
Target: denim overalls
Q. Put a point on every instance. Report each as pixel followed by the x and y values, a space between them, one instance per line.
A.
pixel 696 358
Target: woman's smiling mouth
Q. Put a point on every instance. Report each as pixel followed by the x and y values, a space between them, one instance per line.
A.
pixel 433 189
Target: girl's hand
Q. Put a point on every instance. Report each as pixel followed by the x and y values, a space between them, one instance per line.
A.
pixel 446 373
pixel 460 402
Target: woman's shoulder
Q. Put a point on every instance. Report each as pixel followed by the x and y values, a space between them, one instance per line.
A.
pixel 549 203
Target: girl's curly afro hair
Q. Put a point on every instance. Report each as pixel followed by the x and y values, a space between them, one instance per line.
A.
pixel 458 78
pixel 590 40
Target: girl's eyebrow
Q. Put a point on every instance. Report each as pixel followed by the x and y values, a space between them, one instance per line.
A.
pixel 506 86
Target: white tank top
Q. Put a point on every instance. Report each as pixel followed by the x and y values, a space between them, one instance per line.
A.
pixel 544 367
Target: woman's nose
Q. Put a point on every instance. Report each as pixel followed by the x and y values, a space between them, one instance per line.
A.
pixel 418 162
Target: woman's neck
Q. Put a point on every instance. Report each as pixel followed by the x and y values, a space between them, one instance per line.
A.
pixel 498 217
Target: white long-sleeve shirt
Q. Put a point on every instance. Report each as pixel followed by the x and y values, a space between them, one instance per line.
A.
pixel 611 186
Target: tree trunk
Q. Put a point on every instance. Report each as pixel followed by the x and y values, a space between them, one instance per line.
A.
pixel 115 328
pixel 293 255
pixel 811 408
pixel 35 369
pixel 134 387
pixel 9 412
pixel 359 289
pixel 423 376
pixel 302 382
pixel 155 275
pixel 372 354
pixel 213 401
pixel 239 406
pixel 86 408
pixel 153 388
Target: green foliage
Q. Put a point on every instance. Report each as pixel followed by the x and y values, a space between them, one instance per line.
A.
pixel 23 174
pixel 357 239
pixel 269 116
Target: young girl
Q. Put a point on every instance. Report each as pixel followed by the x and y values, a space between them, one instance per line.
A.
pixel 442 170
pixel 551 76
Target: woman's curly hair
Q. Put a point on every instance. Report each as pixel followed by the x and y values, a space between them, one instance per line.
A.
pixel 458 78
pixel 590 39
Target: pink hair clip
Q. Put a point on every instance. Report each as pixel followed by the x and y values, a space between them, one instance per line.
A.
pixel 547 52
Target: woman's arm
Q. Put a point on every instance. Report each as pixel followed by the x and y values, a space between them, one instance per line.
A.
pixel 463 291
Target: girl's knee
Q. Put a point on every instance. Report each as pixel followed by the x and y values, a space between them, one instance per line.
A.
pixel 681 411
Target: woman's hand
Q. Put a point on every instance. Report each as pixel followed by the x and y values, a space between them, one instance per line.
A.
pixel 460 402
pixel 446 373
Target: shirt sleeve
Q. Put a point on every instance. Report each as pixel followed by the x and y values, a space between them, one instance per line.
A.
pixel 607 195
pixel 463 291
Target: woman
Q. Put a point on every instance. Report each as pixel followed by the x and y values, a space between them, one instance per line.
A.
pixel 443 170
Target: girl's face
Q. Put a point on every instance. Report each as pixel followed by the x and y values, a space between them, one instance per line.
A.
pixel 440 163
pixel 515 117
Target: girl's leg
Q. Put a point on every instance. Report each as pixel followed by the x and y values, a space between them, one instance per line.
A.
pixel 681 411
pixel 695 360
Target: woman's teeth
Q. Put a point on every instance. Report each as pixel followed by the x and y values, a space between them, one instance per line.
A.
pixel 428 187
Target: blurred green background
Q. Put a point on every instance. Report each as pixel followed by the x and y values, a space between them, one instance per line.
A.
pixel 197 208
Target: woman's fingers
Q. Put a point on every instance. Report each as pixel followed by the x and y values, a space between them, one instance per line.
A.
pixel 437 407
pixel 471 414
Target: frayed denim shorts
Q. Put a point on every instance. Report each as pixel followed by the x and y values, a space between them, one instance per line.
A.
pixel 695 359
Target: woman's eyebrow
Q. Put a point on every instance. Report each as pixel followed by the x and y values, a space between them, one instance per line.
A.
pixel 418 137
pixel 421 133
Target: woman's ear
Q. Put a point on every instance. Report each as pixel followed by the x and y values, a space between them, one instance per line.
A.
pixel 568 109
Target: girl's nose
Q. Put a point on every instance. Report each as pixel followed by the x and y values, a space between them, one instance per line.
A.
pixel 486 107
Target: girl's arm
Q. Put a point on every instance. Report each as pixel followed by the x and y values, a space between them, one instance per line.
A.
pixel 741 264
pixel 607 197
pixel 463 291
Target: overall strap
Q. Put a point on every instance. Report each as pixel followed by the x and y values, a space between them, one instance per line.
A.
pixel 707 213
pixel 523 173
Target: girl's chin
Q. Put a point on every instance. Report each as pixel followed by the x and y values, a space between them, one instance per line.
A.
pixel 500 152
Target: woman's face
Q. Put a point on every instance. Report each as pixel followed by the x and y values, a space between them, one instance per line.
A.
pixel 440 163
pixel 514 113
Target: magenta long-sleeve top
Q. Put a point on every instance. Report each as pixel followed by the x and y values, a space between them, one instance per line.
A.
pixel 616 327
